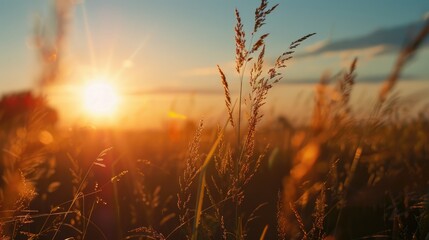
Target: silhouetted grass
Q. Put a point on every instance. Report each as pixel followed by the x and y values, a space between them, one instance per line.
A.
pixel 339 177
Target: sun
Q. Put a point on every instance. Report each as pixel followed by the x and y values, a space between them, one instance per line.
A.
pixel 100 98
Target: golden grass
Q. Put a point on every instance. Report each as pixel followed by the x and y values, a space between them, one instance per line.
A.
pixel 319 180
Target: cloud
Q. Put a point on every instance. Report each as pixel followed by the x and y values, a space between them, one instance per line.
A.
pixel 364 79
pixel 426 16
pixel 364 54
pixel 316 46
pixel 367 51
pixel 381 41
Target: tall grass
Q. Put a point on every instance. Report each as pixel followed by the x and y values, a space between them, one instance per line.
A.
pixel 245 162
pixel 345 165
pixel 340 177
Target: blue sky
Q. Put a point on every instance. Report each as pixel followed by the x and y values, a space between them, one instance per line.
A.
pixel 185 35
pixel 175 45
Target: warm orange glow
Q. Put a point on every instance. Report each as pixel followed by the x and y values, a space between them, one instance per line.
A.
pixel 305 160
pixel 100 98
pixel 175 115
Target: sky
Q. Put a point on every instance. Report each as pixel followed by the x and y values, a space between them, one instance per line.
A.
pixel 173 47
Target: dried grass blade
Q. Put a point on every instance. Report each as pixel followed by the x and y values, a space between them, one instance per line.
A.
pixel 227 95
pixel 202 183
pixel 403 57
pixel 264 232
pixel 296 43
pixel 240 43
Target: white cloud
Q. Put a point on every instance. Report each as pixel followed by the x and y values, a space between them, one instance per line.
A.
pixel 426 16
pixel 316 46
pixel 364 54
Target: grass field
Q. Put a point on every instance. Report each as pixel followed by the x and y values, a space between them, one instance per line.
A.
pixel 342 175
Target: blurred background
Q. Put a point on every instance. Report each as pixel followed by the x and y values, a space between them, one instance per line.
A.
pixel 161 57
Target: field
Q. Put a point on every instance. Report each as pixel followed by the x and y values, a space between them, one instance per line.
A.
pixel 347 173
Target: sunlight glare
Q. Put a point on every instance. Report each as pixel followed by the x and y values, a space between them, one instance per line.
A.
pixel 100 98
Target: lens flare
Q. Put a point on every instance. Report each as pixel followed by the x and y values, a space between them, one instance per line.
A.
pixel 100 98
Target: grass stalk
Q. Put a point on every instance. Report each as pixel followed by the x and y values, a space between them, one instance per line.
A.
pixel 79 189
pixel 78 193
pixel 202 183
pixel 264 233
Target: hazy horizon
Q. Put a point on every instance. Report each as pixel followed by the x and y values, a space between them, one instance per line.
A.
pixel 170 50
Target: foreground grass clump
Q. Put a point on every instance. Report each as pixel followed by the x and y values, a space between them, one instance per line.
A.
pixel 342 176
